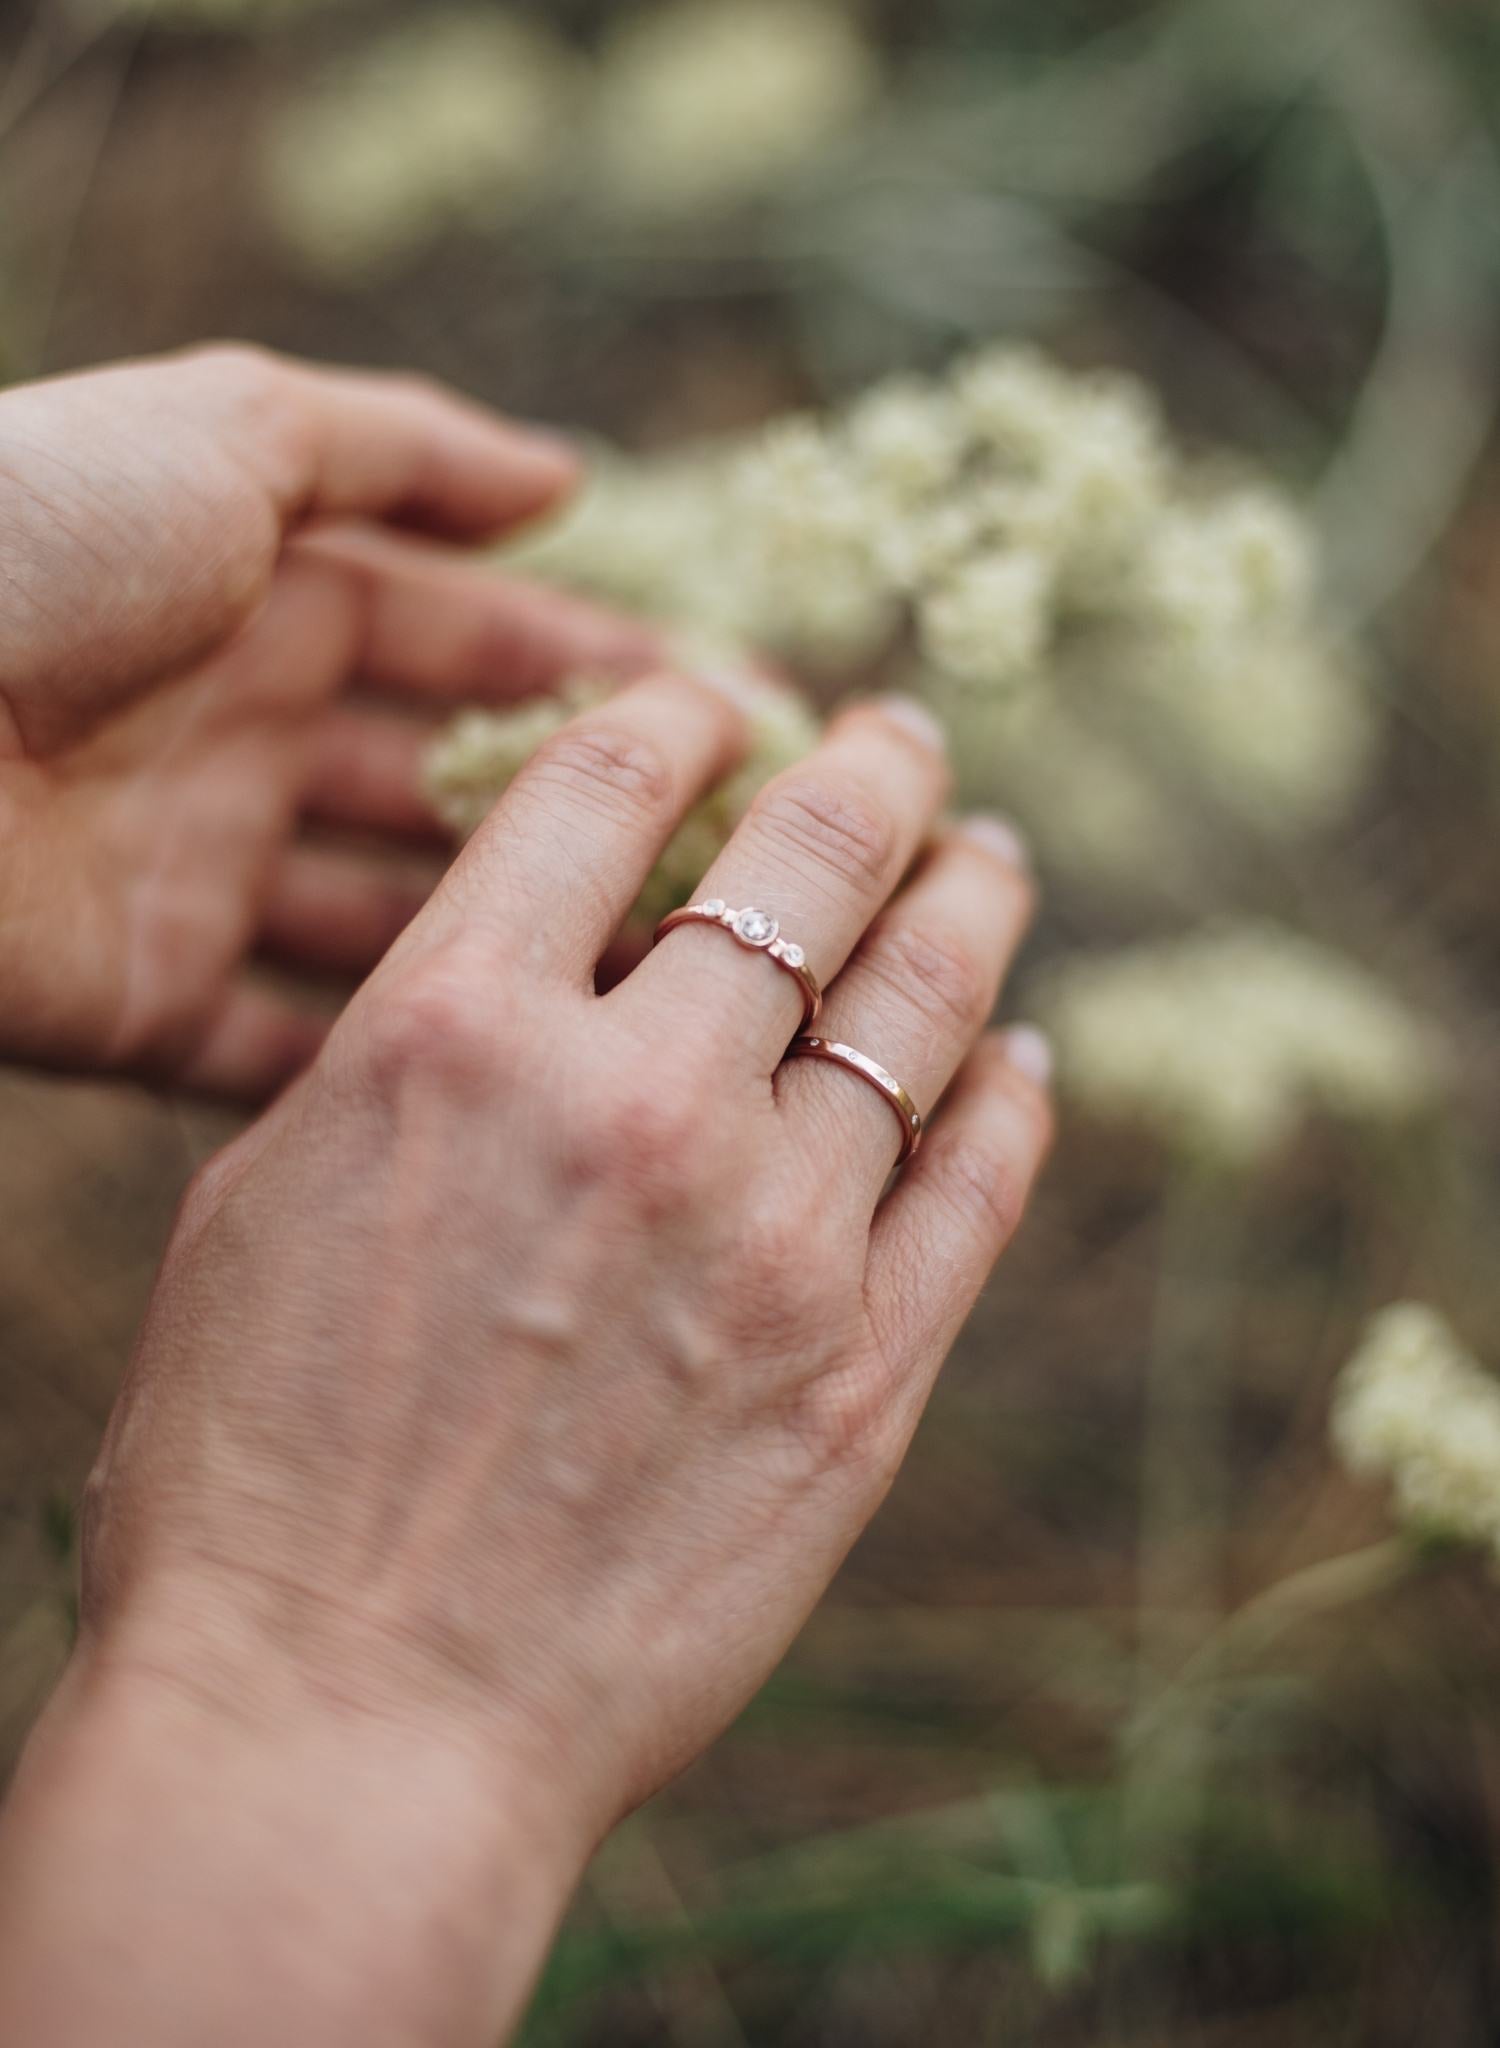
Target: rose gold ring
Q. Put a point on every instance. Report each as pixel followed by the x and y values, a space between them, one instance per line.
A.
pixel 760 933
pixel 871 1071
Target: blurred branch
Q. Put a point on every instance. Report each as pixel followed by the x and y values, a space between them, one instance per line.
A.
pixel 1185 1506
pixel 54 43
pixel 629 1881
pixel 1329 1587
pixel 1428 404
pixel 97 101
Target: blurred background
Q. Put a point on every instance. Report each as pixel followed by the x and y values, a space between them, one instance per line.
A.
pixel 1024 1778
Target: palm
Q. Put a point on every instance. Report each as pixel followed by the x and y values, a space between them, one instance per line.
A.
pixel 176 689
pixel 166 842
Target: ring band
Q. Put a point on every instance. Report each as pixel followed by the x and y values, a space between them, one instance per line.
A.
pixel 870 1071
pixel 759 932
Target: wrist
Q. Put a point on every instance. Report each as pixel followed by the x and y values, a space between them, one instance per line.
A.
pixel 186 1872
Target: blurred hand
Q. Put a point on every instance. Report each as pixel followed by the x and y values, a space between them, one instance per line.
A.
pixel 512 1390
pixel 180 619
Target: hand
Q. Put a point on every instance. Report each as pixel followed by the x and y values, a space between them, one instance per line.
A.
pixel 178 622
pixel 513 1388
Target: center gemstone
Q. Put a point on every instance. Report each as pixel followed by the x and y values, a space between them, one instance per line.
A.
pixel 755 928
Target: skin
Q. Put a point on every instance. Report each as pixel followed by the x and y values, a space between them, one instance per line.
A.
pixel 210 677
pixel 513 1387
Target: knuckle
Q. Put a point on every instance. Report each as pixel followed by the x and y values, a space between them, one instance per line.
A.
pixel 96 1575
pixel 207 1191
pixel 984 1191
pixel 787 1275
pixel 841 1423
pixel 604 769
pixel 242 368
pixel 436 1023
pixel 255 399
pixel 772 1250
pixel 647 1140
pixel 934 970
pixel 93 1500
pixel 416 388
pixel 833 826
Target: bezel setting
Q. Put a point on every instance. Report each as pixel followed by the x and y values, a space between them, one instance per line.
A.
pixel 755 928
pixel 758 932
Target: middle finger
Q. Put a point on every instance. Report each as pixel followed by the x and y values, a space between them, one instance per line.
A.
pixel 820 850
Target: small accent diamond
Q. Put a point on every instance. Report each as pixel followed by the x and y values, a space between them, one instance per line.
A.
pixel 793 956
pixel 715 907
pixel 755 928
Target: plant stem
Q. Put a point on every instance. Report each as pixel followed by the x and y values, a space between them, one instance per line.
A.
pixel 1318 1589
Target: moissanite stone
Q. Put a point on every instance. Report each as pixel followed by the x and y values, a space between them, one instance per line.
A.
pixel 755 928
pixel 793 956
pixel 715 907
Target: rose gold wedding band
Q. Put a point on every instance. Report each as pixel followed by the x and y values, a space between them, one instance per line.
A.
pixel 870 1071
pixel 760 933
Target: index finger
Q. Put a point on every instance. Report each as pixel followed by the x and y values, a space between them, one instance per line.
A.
pixel 399 450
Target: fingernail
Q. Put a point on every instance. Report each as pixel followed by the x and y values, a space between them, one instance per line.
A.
pixel 999 837
pixel 915 720
pixel 1030 1053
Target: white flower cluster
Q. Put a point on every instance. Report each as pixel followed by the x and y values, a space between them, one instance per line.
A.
pixel 657 536
pixel 1001 507
pixel 476 758
pixel 1059 570
pixel 1230 566
pixel 449 119
pixel 704 104
pixel 993 507
pixel 1226 1041
pixel 1415 1409
pixel 462 116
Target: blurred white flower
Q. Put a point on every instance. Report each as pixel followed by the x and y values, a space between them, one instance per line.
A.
pixel 987 623
pixel 1015 524
pixel 1415 1409
pixel 1226 1041
pixel 471 763
pixel 1228 565
pixel 1105 481
pixel 453 117
pixel 1010 493
pixel 907 438
pixel 918 546
pixel 802 495
pixel 812 578
pixel 659 537
pixel 1278 725
pixel 1018 406
pixel 704 104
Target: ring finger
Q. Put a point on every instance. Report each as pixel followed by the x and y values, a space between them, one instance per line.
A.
pixel 819 851
pixel 914 998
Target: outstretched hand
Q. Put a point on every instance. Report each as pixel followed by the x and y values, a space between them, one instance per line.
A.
pixel 199 557
pixel 513 1387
